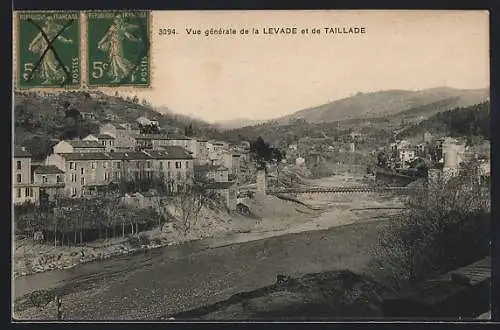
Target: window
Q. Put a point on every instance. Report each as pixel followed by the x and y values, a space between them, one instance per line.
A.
pixel 58 179
pixel 18 193
pixel 71 165
pixel 27 192
pixel 31 192
pixel 92 165
pixel 168 164
pixel 169 175
pixel 18 164
pixel 18 178
pixel 118 165
pixel 148 164
pixel 81 171
pixel 178 164
pixel 82 181
pixel 73 191
pixel 179 175
pixel 187 164
pixel 73 177
pixel 44 178
pixel 161 165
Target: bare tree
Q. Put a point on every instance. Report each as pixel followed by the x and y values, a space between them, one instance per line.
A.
pixel 429 237
pixel 189 200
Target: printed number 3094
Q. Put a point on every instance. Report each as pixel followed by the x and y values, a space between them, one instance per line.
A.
pixel 166 32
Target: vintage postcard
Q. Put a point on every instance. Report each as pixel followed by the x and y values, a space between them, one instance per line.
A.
pixel 251 165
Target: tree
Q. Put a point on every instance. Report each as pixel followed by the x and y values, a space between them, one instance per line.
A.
pixel 428 238
pixel 261 151
pixel 149 129
pixel 382 159
pixel 189 130
pixel 190 200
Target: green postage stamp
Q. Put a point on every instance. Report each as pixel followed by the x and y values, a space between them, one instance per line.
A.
pixel 48 49
pixel 118 48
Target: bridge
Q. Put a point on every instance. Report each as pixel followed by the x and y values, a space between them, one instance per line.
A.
pixel 341 190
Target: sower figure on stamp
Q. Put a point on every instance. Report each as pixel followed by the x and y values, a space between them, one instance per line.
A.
pixel 50 69
pixel 112 44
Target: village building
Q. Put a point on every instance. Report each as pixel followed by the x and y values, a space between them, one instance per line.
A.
pixel 426 137
pixel 201 155
pixel 106 140
pixel 23 188
pixel 232 162
pixel 453 153
pixel 78 146
pixel 218 181
pixel 209 172
pixel 50 180
pixel 124 135
pixel 144 121
pixel 84 173
pixel 356 137
pixel 112 117
pixel 150 141
pixel 88 115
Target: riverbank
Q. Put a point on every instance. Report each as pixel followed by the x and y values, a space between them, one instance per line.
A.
pixel 31 257
pixel 276 217
pixel 178 278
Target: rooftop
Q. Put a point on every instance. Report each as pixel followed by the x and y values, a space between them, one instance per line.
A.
pixel 104 137
pixel 152 137
pixel 84 144
pixel 20 153
pixel 46 169
pixel 170 152
pixel 177 136
pixel 209 168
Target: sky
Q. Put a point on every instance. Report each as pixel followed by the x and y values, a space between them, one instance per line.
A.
pixel 218 78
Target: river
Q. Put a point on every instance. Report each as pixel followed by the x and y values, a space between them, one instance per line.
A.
pixel 165 281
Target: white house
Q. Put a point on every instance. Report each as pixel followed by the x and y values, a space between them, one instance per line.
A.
pixel 80 146
pixel 143 121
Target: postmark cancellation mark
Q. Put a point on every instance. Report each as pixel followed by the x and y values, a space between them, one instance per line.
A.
pixel 48 49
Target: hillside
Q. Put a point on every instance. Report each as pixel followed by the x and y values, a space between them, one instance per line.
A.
pixel 237 123
pixel 40 117
pixel 463 121
pixel 386 103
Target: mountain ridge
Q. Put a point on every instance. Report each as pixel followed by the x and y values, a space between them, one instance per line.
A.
pixel 384 103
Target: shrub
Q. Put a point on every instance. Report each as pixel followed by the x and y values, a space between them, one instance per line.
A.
pixel 157 241
pixel 144 239
pixel 446 227
pixel 134 242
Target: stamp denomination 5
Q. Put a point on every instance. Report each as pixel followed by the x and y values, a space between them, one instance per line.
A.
pixel 118 48
pixel 48 50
